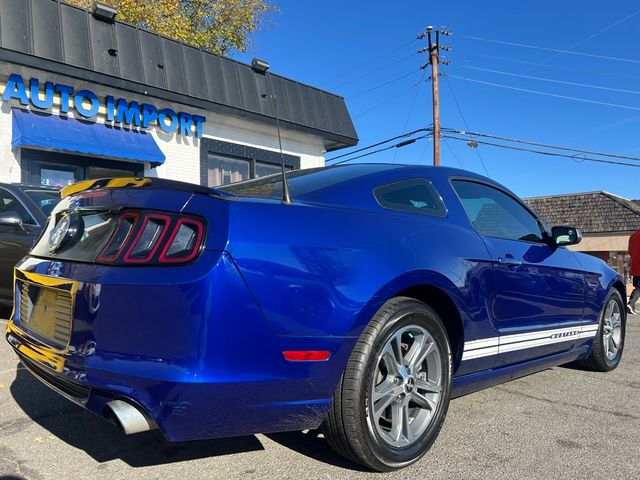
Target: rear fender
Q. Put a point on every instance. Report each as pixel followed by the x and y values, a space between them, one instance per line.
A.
pixel 405 282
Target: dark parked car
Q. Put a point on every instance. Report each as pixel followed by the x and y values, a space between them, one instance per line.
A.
pixel 23 213
pixel 363 306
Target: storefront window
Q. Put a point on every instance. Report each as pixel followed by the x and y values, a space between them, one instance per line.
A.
pixel 223 163
pixel 59 169
pixel 57 177
pixel 263 169
pixel 224 170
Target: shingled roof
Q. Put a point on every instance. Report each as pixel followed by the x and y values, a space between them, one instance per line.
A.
pixel 591 212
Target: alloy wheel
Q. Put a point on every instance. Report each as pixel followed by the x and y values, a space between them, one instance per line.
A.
pixel 407 386
pixel 612 329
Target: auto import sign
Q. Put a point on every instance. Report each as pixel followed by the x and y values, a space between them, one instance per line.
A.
pixel 86 104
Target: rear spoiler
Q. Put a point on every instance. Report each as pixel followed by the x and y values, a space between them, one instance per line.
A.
pixel 133 182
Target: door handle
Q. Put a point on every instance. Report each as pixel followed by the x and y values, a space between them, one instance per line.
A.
pixel 509 261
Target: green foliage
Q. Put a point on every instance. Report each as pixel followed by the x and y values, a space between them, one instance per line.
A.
pixel 215 25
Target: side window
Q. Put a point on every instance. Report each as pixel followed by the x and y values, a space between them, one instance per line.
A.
pixel 416 196
pixel 11 205
pixel 496 214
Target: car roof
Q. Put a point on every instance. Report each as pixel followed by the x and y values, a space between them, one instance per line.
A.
pixel 29 185
pixel 34 186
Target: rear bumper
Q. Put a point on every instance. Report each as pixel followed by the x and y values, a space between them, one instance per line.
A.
pixel 189 348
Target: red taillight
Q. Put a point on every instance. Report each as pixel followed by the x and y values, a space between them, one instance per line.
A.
pixel 184 243
pixel 148 239
pixel 144 237
pixel 121 236
pixel 306 355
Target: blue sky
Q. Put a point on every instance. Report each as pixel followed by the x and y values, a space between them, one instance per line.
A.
pixel 326 43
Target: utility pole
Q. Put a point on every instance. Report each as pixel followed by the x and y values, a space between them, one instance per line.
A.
pixel 434 60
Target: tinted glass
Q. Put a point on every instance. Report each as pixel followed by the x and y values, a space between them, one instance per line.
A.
pixel 10 205
pixel 496 214
pixel 45 199
pixel 301 182
pixel 416 195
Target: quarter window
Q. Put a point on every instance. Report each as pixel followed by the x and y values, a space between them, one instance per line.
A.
pixel 416 196
pixel 494 213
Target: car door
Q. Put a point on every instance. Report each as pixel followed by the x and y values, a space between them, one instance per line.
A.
pixel 538 288
pixel 15 241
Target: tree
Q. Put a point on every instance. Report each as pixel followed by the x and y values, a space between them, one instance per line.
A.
pixel 215 25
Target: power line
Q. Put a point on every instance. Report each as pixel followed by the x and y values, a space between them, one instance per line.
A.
pixel 551 80
pixel 542 152
pixel 557 67
pixel 368 62
pixel 368 73
pixel 382 85
pixel 446 142
pixel 382 142
pixel 455 100
pixel 413 103
pixel 397 145
pixel 537 92
pixel 385 101
pixel 547 49
pixel 545 145
pixel 585 40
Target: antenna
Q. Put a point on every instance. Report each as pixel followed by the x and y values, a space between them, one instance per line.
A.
pixel 261 66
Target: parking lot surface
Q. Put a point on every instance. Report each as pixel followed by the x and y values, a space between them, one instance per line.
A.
pixel 559 423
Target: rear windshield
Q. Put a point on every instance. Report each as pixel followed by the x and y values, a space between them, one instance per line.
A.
pixel 45 199
pixel 301 182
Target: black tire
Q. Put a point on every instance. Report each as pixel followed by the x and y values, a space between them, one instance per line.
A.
pixel 352 428
pixel 599 360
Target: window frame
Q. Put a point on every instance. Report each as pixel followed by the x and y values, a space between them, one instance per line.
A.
pixel 441 212
pixel 236 151
pixel 539 221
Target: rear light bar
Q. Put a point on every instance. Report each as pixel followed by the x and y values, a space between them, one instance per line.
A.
pixel 153 238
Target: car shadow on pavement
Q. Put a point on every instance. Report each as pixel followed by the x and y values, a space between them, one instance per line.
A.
pixel 575 366
pixel 312 444
pixel 104 441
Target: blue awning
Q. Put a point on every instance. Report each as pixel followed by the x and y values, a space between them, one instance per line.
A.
pixel 53 132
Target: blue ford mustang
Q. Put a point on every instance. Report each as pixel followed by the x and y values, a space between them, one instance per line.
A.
pixel 361 307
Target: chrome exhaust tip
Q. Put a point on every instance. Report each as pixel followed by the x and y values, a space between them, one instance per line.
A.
pixel 129 417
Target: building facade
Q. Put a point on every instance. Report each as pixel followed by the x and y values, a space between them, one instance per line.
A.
pixel 83 97
pixel 605 220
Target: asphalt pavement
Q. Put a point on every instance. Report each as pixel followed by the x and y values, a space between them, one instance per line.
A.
pixel 562 423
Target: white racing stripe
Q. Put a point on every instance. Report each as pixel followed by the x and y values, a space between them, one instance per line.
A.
pixel 510 343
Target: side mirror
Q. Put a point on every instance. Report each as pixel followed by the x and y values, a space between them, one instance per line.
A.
pixel 10 219
pixel 566 235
